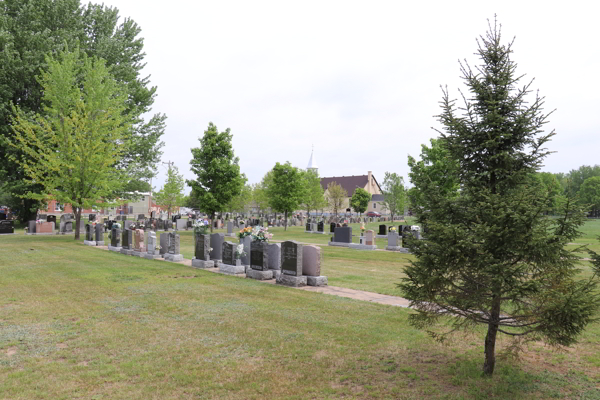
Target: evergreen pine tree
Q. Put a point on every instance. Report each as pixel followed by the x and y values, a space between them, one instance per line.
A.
pixel 491 256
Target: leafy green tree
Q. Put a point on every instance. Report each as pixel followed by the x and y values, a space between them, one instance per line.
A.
pixel 590 193
pixel 314 195
pixel 360 200
pixel 491 256
pixel 218 177
pixel 576 177
pixel 336 195
pixel 555 193
pixel 285 189
pixel 31 29
pixel 240 202
pixel 259 193
pixel 437 167
pixel 71 150
pixel 171 195
pixel 394 193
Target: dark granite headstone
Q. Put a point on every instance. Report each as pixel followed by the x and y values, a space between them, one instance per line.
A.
pixel 141 217
pixel 89 233
pixel 2 216
pixel 173 243
pixel 127 239
pixel 115 237
pixel 259 256
pixel 228 253
pixel 202 250
pixel 343 234
pixel 7 227
pixel 51 218
pixel 31 225
pixel 382 230
pixel 164 243
pixel 308 226
pixel 291 258
pixel 216 242
pixel 91 217
pixel 332 227
pixel 99 233
pixel 160 225
pixel 321 227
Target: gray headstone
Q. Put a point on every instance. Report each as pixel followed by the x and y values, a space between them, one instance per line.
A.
pixel 127 239
pixel 181 224
pixel 229 227
pixel 291 258
pixel 259 256
pixel 164 243
pixel 274 250
pixel 151 243
pixel 216 242
pixel 246 241
pixel 311 260
pixel 31 225
pixel 127 224
pixel 89 233
pixel 392 239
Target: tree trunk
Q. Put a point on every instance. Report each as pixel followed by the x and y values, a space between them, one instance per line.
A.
pixel 77 221
pixel 490 339
pixel 212 218
pixel 285 222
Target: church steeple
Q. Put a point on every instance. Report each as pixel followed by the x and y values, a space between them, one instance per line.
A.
pixel 312 163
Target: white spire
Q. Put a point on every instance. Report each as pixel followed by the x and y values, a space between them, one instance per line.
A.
pixel 312 163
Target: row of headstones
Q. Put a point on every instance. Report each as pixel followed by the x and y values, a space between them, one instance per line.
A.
pixel 404 229
pixel 144 244
pixel 268 259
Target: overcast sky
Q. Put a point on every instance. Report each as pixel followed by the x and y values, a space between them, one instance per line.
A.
pixel 358 80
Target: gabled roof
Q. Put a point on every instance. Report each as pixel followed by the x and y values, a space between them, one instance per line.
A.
pixel 349 183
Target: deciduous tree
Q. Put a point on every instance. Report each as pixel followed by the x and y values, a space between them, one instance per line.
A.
pixel 360 200
pixel 70 151
pixel 491 256
pixel 218 177
pixel 336 195
pixel 393 193
pixel 285 189
pixel 314 195
pixel 171 194
pixel 590 194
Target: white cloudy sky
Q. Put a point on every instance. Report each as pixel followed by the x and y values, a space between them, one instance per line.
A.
pixel 359 80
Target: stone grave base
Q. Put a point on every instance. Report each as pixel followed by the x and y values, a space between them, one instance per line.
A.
pixel 290 280
pixel 316 280
pixel 231 269
pixel 45 233
pixel 173 257
pixel 115 249
pixel 276 273
pixel 197 263
pixel 149 256
pixel 8 233
pixel 321 233
pixel 89 242
pixel 357 246
pixel 66 233
pixel 230 234
pixel 381 236
pixel 99 243
pixel 127 252
pixel 339 244
pixel 138 253
pixel 259 275
pixel 397 248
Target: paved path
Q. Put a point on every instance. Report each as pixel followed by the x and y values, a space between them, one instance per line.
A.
pixel 331 290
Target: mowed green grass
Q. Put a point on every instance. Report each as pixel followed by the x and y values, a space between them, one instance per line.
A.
pixel 79 322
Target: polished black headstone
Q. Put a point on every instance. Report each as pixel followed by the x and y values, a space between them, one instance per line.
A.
pixel 291 258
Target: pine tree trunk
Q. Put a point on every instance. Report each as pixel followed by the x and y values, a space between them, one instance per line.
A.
pixel 77 221
pixel 490 339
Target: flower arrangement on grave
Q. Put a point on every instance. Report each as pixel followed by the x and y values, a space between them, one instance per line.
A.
pixel 362 229
pixel 239 251
pixel 261 234
pixel 392 229
pixel 201 227
pixel 245 232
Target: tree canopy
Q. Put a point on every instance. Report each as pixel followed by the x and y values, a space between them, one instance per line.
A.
pixel 314 195
pixel 218 177
pixel 491 256
pixel 393 193
pixel 70 150
pixel 31 30
pixel 171 194
pixel 360 200
pixel 336 195
pixel 285 189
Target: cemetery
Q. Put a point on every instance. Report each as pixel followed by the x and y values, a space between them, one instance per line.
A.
pixel 123 277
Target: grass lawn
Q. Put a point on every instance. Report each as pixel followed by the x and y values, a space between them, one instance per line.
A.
pixel 78 322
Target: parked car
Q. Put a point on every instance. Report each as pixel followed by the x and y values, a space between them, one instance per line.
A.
pixel 373 214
